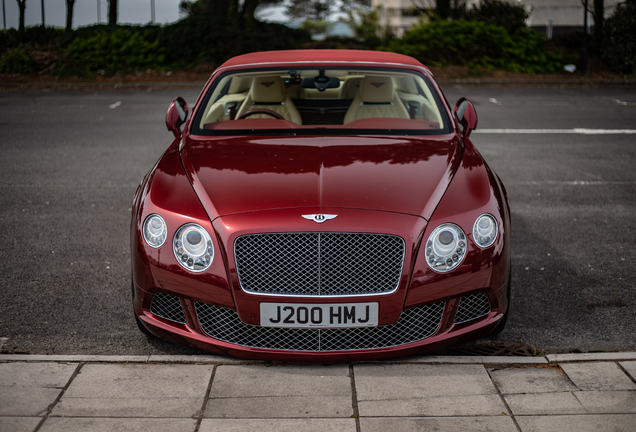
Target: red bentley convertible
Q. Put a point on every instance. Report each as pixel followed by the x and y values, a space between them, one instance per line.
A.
pixel 321 206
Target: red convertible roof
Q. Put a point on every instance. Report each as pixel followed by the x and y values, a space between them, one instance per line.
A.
pixel 294 56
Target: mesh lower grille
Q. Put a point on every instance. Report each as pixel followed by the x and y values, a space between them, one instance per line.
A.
pixel 319 264
pixel 168 306
pixel 471 307
pixel 414 325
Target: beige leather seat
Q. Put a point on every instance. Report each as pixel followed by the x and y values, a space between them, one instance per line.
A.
pixel 268 92
pixel 376 99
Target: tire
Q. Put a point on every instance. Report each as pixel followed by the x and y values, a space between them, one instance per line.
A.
pixel 141 327
pixel 504 320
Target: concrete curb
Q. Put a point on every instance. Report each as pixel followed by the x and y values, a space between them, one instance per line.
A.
pixel 485 360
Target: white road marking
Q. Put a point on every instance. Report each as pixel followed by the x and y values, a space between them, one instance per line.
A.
pixel 115 105
pixel 493 100
pixel 620 102
pixel 574 182
pixel 581 131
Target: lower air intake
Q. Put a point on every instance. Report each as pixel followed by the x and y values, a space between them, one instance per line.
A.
pixel 168 306
pixel 472 307
pixel 414 325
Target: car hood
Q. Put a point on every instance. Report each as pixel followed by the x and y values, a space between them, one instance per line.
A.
pixel 245 174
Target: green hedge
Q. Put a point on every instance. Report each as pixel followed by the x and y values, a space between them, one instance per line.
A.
pixel 478 45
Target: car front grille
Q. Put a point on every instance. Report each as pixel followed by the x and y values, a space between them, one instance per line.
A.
pixel 472 307
pixel 319 264
pixel 414 325
pixel 168 306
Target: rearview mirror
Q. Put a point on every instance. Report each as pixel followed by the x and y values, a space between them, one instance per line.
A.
pixel 466 116
pixel 320 82
pixel 176 116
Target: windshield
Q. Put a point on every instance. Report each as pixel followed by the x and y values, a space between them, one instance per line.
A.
pixel 321 101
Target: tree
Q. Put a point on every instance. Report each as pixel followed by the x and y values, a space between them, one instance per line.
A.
pixel 316 10
pixel 238 13
pixel 112 12
pixel 510 16
pixel 70 4
pixel 597 10
pixel 21 7
pixel 441 9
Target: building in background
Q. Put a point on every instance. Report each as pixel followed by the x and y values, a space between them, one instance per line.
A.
pixel 546 16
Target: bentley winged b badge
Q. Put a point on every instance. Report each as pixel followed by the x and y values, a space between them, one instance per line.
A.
pixel 319 218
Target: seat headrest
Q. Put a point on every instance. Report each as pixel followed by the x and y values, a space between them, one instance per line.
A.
pixel 376 89
pixel 268 89
pixel 239 85
pixel 406 84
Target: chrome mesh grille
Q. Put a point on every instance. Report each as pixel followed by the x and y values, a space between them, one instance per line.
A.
pixel 319 264
pixel 168 306
pixel 414 325
pixel 471 307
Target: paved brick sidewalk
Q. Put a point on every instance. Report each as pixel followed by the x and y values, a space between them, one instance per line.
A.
pixel 586 392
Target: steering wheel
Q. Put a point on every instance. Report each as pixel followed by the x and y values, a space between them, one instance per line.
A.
pixel 260 111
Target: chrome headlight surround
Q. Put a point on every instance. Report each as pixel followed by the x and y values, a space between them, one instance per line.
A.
pixel 485 230
pixel 155 231
pixel 445 248
pixel 193 248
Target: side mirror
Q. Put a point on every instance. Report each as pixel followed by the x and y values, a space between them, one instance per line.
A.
pixel 466 116
pixel 176 116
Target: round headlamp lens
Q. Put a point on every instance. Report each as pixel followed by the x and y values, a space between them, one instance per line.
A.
pixel 155 230
pixel 485 230
pixel 445 247
pixel 193 247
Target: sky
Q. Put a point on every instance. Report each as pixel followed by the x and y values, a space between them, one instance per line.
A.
pixel 86 12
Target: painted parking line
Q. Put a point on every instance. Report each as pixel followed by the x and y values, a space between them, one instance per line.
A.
pixel 580 131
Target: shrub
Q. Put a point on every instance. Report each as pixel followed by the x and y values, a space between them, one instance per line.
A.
pixel 510 16
pixel 120 50
pixel 619 43
pixel 17 61
pixel 479 45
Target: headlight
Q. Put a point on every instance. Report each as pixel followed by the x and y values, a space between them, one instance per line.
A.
pixel 445 247
pixel 193 247
pixel 485 230
pixel 155 231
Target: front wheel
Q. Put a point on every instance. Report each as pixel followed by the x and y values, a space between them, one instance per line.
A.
pixel 502 323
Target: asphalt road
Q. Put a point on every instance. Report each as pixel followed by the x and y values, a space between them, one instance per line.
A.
pixel 70 163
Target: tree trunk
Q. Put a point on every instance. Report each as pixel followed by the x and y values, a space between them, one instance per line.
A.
pixel 70 4
pixel 249 8
pixel 599 18
pixel 112 12
pixel 22 7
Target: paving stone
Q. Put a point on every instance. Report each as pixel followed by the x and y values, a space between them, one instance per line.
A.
pixel 261 381
pixel 136 390
pixel 26 401
pixel 118 424
pixel 630 367
pixel 38 375
pixel 608 402
pixel 278 425
pixel 439 424
pixel 544 404
pixel 598 376
pixel 280 407
pixel 18 424
pixel 28 389
pixel 434 406
pixel 531 380
pixel 578 423
pixel 418 381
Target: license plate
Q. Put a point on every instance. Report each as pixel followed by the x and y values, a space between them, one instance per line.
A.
pixel 331 315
